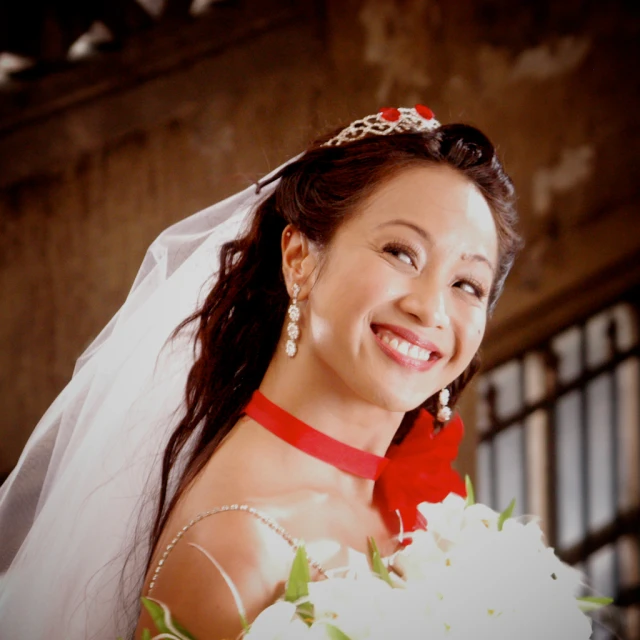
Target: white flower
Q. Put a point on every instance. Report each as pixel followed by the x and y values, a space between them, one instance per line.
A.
pixel 480 517
pixel 444 519
pixel 417 560
pixel 477 581
pixel 462 578
pixel 359 607
pixel 278 622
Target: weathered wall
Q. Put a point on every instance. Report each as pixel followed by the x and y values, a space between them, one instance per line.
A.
pixel 96 181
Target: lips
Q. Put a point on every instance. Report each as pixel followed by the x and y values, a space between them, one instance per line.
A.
pixel 406 347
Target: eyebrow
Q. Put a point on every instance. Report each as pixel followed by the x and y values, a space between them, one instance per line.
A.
pixel 423 233
pixel 405 223
pixel 477 257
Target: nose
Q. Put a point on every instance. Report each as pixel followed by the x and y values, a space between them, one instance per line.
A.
pixel 427 303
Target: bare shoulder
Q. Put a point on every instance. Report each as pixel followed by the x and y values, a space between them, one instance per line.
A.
pixel 253 556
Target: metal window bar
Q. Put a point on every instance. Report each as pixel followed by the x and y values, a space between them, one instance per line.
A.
pixel 522 428
pixel 539 421
pixel 614 426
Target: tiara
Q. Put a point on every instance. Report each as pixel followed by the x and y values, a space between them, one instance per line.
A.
pixel 387 121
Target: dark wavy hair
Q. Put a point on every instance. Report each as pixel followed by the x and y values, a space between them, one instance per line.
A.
pixel 240 322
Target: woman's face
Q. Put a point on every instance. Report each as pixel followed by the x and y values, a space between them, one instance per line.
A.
pixel 399 306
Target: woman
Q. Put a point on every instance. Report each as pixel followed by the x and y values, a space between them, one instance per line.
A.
pixel 385 247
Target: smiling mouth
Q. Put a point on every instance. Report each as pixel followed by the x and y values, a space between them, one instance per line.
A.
pixel 404 351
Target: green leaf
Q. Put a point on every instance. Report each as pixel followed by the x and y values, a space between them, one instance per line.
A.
pixel 299 577
pixel 146 634
pixel 589 603
pixel 506 514
pixel 306 612
pixel 157 614
pixel 471 495
pixel 376 563
pixel 182 630
pixel 335 634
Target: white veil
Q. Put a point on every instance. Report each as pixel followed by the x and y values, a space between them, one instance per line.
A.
pixel 72 556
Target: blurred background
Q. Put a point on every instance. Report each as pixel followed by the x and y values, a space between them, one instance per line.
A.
pixel 120 117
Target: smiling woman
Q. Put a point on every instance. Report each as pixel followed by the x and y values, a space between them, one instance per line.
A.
pixel 344 320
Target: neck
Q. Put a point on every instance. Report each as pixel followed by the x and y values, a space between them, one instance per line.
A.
pixel 335 412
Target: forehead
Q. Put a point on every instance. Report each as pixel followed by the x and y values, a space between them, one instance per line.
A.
pixel 439 199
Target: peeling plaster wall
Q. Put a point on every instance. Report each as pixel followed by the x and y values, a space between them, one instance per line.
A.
pixel 573 169
pixel 553 86
pixel 550 59
pixel 394 43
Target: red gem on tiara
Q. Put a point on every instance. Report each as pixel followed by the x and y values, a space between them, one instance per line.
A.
pixel 390 114
pixel 425 112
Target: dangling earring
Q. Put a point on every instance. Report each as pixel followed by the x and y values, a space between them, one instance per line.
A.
pixel 293 330
pixel 444 411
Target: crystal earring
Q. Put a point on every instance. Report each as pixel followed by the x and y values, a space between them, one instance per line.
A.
pixel 444 411
pixel 293 330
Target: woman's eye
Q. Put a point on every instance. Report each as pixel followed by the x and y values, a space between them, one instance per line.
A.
pixel 473 288
pixel 403 254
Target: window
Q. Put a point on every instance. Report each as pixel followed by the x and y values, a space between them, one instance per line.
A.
pixel 559 430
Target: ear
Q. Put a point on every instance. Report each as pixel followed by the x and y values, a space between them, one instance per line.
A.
pixel 299 260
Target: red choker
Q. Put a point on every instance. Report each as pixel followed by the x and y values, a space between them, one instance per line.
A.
pixel 317 444
pixel 418 470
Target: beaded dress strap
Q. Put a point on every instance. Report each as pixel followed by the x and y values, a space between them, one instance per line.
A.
pixel 294 543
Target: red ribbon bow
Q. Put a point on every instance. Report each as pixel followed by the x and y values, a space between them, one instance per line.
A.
pixel 420 470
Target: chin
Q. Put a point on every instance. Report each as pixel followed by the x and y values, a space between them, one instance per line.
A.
pixel 398 402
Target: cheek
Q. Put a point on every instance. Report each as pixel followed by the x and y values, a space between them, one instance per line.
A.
pixel 335 298
pixel 345 301
pixel 353 288
pixel 472 331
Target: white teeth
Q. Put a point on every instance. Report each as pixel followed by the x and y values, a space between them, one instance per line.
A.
pixel 404 347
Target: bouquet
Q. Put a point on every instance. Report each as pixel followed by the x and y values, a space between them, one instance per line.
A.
pixel 472 573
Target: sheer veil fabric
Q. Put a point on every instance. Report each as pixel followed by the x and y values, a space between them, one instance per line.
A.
pixel 76 512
